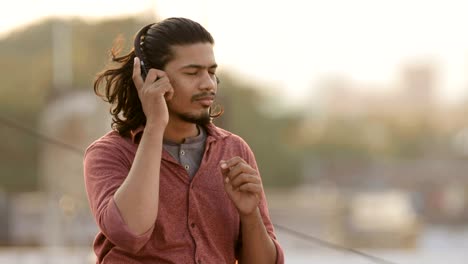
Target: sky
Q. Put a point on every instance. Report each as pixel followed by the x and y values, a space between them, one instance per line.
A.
pixel 288 46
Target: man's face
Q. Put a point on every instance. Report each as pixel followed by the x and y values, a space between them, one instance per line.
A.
pixel 192 75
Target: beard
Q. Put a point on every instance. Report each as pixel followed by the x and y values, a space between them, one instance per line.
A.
pixel 203 118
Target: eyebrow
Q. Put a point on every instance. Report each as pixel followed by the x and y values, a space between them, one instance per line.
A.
pixel 198 66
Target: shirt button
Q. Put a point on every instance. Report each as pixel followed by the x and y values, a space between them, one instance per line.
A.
pixel 187 167
pixel 182 152
pixel 192 225
pixel 199 261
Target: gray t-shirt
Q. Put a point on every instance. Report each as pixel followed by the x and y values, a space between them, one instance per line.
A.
pixel 190 153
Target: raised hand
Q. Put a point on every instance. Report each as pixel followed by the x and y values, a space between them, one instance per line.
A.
pixel 243 184
pixel 153 92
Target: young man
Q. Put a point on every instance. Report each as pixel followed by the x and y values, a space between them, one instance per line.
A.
pixel 167 185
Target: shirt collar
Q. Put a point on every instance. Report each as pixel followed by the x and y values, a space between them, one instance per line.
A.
pixel 213 132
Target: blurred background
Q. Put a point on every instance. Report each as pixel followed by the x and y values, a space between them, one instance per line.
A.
pixel 356 111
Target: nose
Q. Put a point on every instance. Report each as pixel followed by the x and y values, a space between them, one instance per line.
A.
pixel 208 82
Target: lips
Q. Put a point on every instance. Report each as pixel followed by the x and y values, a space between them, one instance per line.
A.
pixel 206 101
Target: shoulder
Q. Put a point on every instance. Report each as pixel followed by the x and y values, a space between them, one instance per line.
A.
pixel 111 144
pixel 229 139
pixel 224 135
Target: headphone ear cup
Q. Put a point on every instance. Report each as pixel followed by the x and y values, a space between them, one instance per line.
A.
pixel 144 70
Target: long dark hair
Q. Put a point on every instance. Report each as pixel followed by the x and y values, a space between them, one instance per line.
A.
pixel 153 46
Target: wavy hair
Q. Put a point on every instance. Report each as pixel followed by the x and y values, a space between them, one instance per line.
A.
pixel 153 45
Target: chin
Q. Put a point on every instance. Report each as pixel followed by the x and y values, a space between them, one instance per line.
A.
pixel 200 119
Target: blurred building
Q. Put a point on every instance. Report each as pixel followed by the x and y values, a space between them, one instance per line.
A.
pixel 414 93
pixel 77 118
pixel 58 213
pixel 396 137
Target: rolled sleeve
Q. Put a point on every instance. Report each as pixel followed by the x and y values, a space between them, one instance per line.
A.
pixel 115 228
pixel 279 252
pixel 105 169
pixel 271 232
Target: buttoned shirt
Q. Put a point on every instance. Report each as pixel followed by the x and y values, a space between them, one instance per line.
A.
pixel 196 222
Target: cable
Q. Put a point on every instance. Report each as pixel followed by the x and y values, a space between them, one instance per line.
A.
pixel 309 238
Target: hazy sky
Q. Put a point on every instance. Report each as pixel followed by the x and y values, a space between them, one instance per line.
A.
pixel 292 44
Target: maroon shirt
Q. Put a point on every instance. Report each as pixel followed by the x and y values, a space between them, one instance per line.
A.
pixel 196 222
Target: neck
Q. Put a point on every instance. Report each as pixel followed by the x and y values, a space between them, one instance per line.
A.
pixel 177 132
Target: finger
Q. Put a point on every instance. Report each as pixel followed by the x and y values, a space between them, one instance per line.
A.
pixel 154 75
pixel 233 161
pixel 244 178
pixel 227 164
pixel 169 93
pixel 165 86
pixel 224 167
pixel 160 73
pixel 136 75
pixel 161 82
pixel 252 188
pixel 239 168
pixel 227 186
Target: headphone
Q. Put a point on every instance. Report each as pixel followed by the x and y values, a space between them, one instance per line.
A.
pixel 138 49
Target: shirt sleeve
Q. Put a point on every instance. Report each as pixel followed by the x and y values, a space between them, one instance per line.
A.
pixel 105 169
pixel 263 206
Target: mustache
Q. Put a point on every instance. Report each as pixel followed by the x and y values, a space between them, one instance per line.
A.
pixel 203 95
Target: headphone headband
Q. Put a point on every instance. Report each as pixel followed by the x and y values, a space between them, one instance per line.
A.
pixel 137 48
